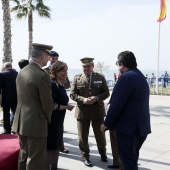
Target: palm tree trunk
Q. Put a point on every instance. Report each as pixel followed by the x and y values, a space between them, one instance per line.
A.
pixel 30 30
pixel 7 57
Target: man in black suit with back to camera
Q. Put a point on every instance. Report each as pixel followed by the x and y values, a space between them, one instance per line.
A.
pixel 128 113
pixel 9 95
pixel 22 63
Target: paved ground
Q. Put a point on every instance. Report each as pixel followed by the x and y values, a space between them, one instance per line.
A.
pixel 154 155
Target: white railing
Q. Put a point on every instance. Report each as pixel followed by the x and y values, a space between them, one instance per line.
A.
pixel 163 89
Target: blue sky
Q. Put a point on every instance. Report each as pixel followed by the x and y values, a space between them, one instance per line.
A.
pixel 97 28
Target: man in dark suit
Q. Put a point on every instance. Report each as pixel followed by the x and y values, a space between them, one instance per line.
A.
pixel 89 89
pixel 34 110
pixel 128 113
pixel 9 95
pixel 116 161
pixel 22 63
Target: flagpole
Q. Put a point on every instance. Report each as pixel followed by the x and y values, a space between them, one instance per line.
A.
pixel 162 16
pixel 157 69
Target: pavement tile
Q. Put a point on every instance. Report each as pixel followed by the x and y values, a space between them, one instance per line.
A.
pixel 154 154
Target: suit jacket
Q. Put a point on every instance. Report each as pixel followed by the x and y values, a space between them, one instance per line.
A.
pixel 35 103
pixel 8 85
pixel 81 89
pixel 129 108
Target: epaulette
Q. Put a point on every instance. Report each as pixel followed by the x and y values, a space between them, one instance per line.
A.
pixel 46 68
pixel 99 74
pixel 78 76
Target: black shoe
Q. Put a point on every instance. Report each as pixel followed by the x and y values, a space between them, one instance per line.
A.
pixel 104 158
pixel 6 132
pixel 88 163
pixel 53 169
pixel 64 150
pixel 113 166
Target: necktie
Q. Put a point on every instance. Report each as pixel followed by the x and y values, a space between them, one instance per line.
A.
pixel 89 78
pixel 89 81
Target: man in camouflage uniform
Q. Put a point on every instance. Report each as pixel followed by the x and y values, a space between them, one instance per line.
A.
pixel 89 89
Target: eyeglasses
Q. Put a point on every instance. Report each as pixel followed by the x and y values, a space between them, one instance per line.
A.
pixel 117 63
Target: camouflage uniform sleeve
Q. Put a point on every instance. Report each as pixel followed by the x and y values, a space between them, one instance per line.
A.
pixel 74 91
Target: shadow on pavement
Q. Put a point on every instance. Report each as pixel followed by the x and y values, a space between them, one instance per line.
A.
pixel 74 154
pixel 140 168
pixel 160 111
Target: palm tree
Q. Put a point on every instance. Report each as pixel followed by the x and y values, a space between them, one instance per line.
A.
pixel 25 8
pixel 7 57
pixel 100 66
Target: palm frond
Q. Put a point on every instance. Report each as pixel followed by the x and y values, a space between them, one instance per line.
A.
pixel 32 7
pixel 16 1
pixel 40 5
pixel 25 11
pixel 25 8
pixel 44 13
pixel 21 15
pixel 15 8
pixel 43 10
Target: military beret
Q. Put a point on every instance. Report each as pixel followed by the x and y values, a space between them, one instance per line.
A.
pixel 54 54
pixel 87 61
pixel 42 47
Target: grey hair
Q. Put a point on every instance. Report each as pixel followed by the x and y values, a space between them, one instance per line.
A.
pixel 36 53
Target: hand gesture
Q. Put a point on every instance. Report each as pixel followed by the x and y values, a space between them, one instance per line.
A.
pixel 103 128
pixel 70 107
pixel 91 100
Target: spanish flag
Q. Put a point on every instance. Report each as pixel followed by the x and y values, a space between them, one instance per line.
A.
pixel 162 15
